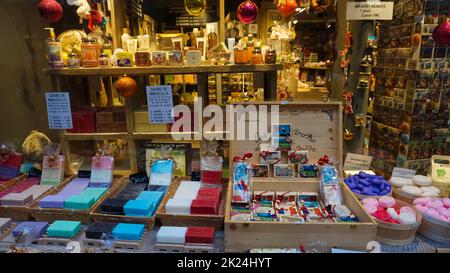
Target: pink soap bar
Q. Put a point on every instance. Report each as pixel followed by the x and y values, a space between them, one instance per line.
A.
pixel 102 163
pixel 58 163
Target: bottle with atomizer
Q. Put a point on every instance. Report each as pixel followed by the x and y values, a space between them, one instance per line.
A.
pixel 54 51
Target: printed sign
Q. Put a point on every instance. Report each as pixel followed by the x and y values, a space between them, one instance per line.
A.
pixel 160 104
pixel 402 172
pixel 58 110
pixel 356 162
pixel 370 10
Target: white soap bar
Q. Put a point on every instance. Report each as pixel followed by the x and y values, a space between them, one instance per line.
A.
pixel 178 206
pixel 171 235
pixel 187 190
pixel 412 190
pixel 399 182
pixel 421 180
pixel 431 190
pixel 160 179
pixel 37 190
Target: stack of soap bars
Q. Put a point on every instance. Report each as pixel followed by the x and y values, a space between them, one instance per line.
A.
pixel 34 229
pixel 195 198
pixel 64 229
pixel 23 193
pixel 185 235
pixel 121 231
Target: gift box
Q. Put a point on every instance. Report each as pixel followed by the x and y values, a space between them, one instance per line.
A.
pixel 83 121
pixel 130 232
pixel 10 168
pixel 36 228
pixel 64 229
pixel 202 206
pixel 200 235
pixel 99 230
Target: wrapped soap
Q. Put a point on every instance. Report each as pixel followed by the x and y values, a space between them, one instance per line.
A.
pixel 161 172
pixel 10 162
pixel 241 182
pixel 102 171
pixel 329 186
pixel 211 163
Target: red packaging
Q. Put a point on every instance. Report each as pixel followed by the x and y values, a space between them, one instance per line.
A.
pixel 213 177
pixel 200 235
pixel 83 121
pixel 14 160
pixel 209 194
pixel 204 206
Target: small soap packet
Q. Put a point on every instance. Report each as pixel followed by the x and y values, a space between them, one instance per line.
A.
pixel 260 170
pixel 241 173
pixel 264 196
pixel 298 157
pixel 162 169
pixel 308 170
pixel 284 170
pixel 329 186
pixel 52 165
pixel 10 162
pixel 211 163
pixel 268 154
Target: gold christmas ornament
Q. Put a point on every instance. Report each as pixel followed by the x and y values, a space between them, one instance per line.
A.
pixel 195 7
pixel 348 135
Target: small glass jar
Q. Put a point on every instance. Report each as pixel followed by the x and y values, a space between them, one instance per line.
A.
pixel 142 58
pixel 257 57
pixel 90 52
pixel 73 61
pixel 241 55
pixel 103 61
pixel 271 57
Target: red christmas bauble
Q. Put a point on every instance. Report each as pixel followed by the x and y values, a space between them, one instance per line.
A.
pixel 441 34
pixel 126 86
pixel 50 10
pixel 287 8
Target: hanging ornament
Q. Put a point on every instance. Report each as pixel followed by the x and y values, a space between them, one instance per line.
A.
pixel 247 12
pixel 348 135
pixel 415 39
pixel 50 10
pixel 441 34
pixel 286 7
pixel 94 18
pixel 126 86
pixel 348 102
pixel 360 120
pixel 195 7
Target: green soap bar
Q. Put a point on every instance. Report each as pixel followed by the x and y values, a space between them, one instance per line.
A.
pixel 82 202
pixel 96 193
pixel 65 229
pixel 48 182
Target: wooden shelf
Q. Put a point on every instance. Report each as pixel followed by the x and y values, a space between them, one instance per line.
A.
pixel 95 136
pixel 162 70
pixel 315 67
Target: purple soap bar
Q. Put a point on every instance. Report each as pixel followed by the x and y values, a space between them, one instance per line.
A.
pixel 38 229
pixel 99 185
pixel 52 201
pixel 16 199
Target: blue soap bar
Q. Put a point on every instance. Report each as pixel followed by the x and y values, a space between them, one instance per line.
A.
pixel 96 193
pixel 38 229
pixel 64 229
pixel 162 166
pixel 81 202
pixel 155 196
pixel 132 232
pixel 139 208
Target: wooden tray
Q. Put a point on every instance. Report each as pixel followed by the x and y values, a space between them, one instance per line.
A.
pixel 52 214
pixel 242 236
pixel 23 213
pixel 97 216
pixel 189 220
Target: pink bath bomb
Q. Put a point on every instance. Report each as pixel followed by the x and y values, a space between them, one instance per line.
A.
pixel 436 204
pixel 433 213
pixel 370 208
pixel 407 209
pixel 370 201
pixel 444 212
pixel 422 209
pixel 446 202
pixel 422 201
pixel 386 202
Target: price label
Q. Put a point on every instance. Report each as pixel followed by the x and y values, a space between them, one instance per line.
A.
pixel 160 104
pixel 402 172
pixel 370 10
pixel 138 178
pixel 58 110
pixel 357 162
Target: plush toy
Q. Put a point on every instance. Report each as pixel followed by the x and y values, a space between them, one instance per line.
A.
pixel 50 10
pixel 33 146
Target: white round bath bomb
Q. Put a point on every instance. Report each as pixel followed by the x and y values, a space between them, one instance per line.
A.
pixel 421 180
pixel 431 190
pixel 399 182
pixel 412 190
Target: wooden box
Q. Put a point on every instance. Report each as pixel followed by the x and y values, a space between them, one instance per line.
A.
pixel 23 213
pixel 52 214
pixel 317 128
pixel 98 216
pixel 187 220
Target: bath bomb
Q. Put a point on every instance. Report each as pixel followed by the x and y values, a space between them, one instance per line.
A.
pixel 436 204
pixel 422 209
pixel 446 202
pixel 399 182
pixel 407 218
pixel 370 201
pixel 421 180
pixel 386 201
pixel 393 213
pixel 370 208
pixel 433 213
pixel 444 212
pixel 431 189
pixel 407 209
pixel 412 190
pixel 422 201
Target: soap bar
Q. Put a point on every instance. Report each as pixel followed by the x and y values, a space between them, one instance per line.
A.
pixel 37 190
pixel 210 194
pixel 204 206
pixel 9 169
pixel 38 229
pixel 171 235
pixel 100 230
pixel 113 206
pixel 101 177
pixel 161 179
pixel 200 235
pixel 16 199
pixel 155 196
pixel 52 201
pixel 139 207
pixel 5 223
pixel 79 202
pixel 131 232
pixel 187 190
pixel 96 193
pixel 178 206
pixel 64 229
pixel 214 177
pixel 102 163
pixel 52 172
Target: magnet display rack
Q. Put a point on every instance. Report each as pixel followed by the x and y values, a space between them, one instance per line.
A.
pixel 141 74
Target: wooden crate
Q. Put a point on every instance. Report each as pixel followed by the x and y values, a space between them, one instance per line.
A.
pixel 13 181
pixel 23 213
pixel 242 236
pixel 189 220
pixel 398 234
pixel 53 214
pixel 97 216
pixel 316 127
